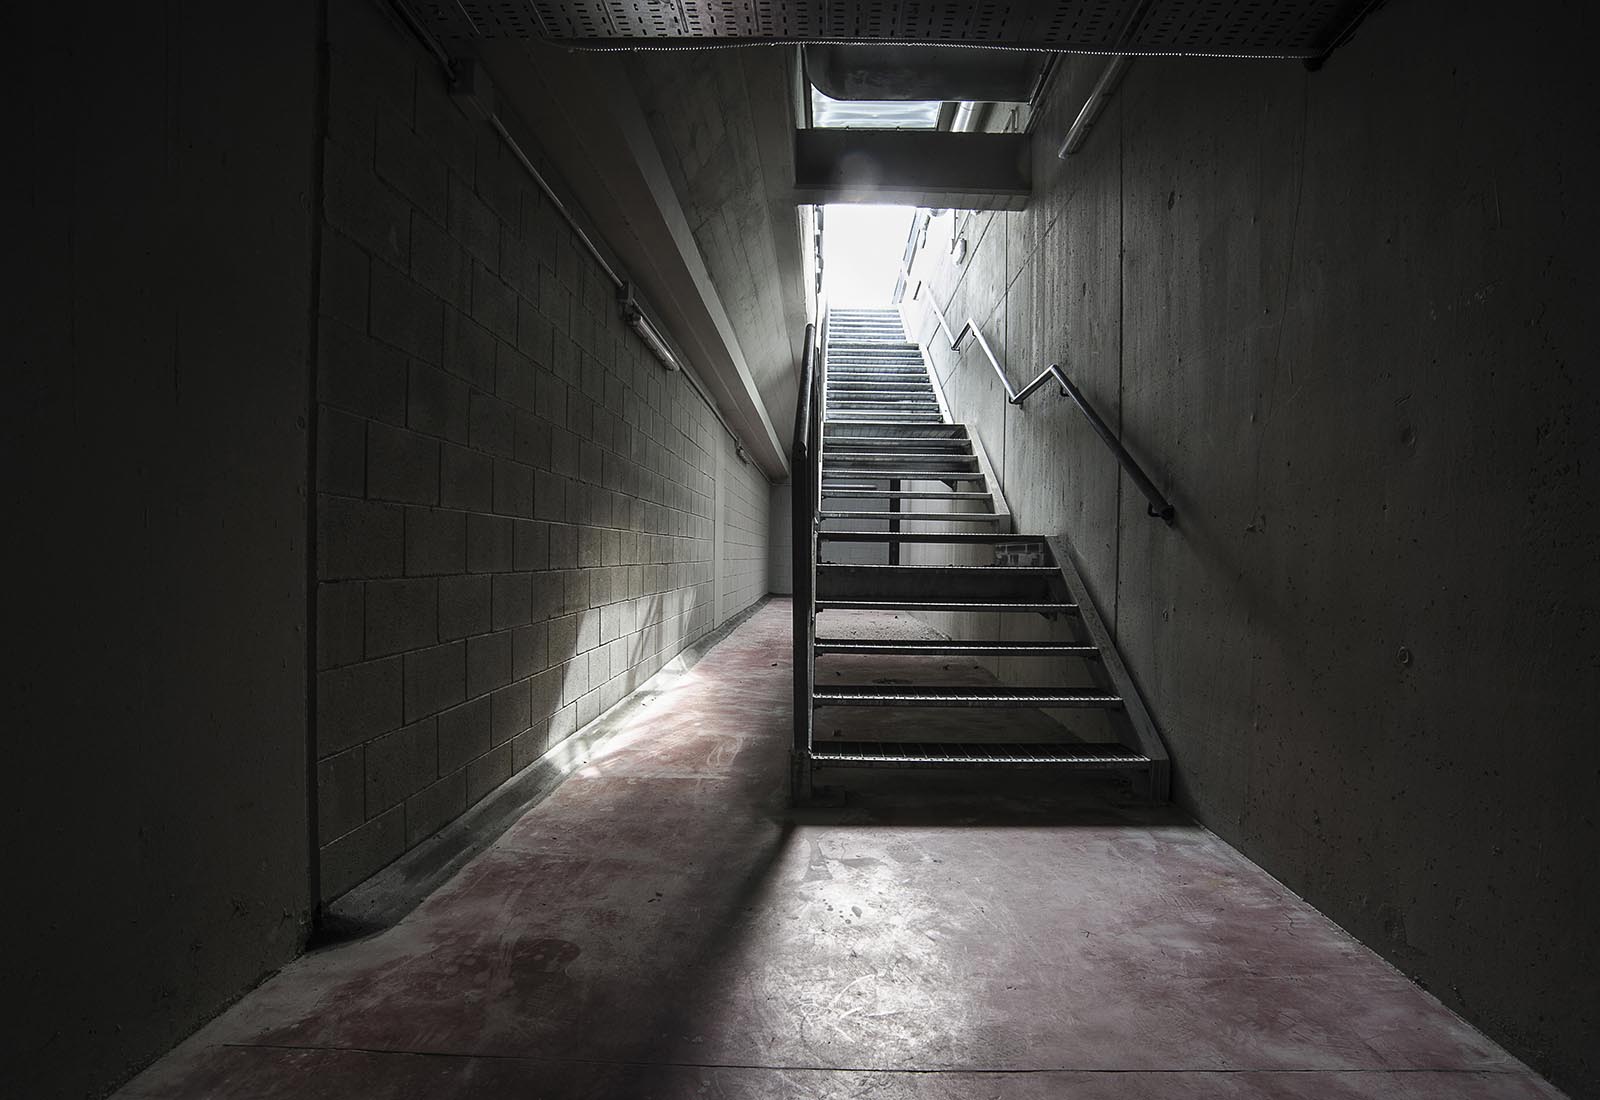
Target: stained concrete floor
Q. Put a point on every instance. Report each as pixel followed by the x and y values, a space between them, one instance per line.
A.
pixel 663 926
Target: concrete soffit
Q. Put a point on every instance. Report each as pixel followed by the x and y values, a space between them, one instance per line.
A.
pixel 774 103
pixel 930 168
pixel 584 114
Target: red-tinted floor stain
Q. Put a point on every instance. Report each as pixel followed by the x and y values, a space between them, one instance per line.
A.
pixel 664 926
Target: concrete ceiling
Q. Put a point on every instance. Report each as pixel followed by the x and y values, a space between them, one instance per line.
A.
pixel 684 167
pixel 1280 28
pixel 900 72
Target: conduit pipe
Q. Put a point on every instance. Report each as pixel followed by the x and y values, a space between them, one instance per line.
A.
pixel 1104 89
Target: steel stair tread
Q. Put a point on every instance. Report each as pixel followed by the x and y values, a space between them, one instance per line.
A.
pixel 955 430
pixel 873 695
pixel 844 429
pixel 902 494
pixel 979 606
pixel 934 754
pixel 918 517
pixel 950 648
pixel 896 456
pixel 859 473
pixel 925 536
pixel 906 457
pixel 947 463
pixel 930 571
pixel 891 443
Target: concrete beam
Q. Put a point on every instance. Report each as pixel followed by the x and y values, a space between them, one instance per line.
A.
pixel 899 72
pixel 771 100
pixel 913 167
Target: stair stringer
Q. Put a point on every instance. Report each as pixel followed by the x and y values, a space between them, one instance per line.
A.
pixel 1147 735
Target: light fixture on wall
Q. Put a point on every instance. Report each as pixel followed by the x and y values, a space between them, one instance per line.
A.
pixel 635 319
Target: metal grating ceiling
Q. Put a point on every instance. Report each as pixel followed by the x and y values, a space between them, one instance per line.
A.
pixel 1235 28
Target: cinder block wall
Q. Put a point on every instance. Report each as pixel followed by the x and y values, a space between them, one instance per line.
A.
pixel 780 545
pixel 516 504
pixel 1346 319
pixel 743 520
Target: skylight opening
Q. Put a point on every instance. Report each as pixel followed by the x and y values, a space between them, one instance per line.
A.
pixel 862 247
pixel 873 114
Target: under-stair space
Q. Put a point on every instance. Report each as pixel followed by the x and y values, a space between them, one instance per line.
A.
pixel 1000 658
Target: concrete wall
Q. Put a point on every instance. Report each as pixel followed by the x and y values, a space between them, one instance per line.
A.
pixel 514 505
pixel 1346 319
pixel 517 506
pixel 159 234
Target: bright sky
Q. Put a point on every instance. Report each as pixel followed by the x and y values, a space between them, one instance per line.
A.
pixel 861 251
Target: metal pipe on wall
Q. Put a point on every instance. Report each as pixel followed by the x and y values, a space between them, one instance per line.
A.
pixel 1104 89
pixel 467 81
pixel 632 313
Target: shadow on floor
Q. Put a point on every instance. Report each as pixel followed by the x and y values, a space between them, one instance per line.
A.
pixel 665 926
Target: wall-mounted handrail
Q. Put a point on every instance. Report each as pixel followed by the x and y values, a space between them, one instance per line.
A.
pixel 1159 506
pixel 1015 396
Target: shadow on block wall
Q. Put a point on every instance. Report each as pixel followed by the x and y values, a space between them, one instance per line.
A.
pixel 517 506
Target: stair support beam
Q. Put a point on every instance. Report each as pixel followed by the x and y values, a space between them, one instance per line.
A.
pixel 1143 726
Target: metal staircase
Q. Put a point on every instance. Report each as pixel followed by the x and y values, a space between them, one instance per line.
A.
pixel 899 520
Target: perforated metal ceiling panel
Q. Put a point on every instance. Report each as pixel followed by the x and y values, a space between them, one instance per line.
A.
pixel 1239 28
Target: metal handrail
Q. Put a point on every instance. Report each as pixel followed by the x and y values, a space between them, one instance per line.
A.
pixel 805 471
pixel 1159 506
pixel 1016 397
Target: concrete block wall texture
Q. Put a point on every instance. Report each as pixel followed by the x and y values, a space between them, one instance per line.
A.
pixel 157 418
pixel 780 544
pixel 519 511
pixel 1344 318
pixel 744 525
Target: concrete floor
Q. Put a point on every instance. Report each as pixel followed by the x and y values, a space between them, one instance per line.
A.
pixel 662 926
